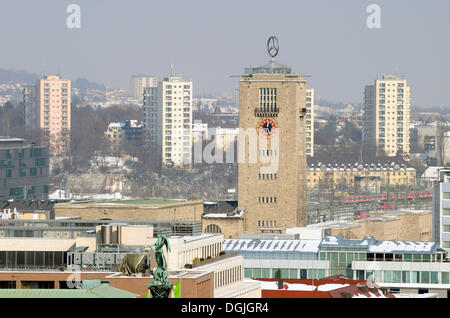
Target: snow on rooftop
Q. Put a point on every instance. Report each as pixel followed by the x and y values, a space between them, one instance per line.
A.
pixel 287 286
pixel 333 240
pixel 223 215
pixel 397 246
pixel 255 245
pixel 328 287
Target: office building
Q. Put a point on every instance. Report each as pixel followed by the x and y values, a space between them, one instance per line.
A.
pixel 168 119
pixel 139 82
pixel 53 113
pixel 400 266
pixel 441 209
pixel 24 171
pixel 386 117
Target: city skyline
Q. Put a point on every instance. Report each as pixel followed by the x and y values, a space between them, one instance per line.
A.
pixel 339 57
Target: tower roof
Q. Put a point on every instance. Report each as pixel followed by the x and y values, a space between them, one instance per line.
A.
pixel 273 67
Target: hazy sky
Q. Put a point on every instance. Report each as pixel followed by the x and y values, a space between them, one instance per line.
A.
pixel 209 41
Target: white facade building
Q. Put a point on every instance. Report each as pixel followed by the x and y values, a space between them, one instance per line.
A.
pixel 387 116
pixel 203 253
pixel 168 118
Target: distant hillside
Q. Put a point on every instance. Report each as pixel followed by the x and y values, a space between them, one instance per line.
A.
pixel 83 84
pixel 17 76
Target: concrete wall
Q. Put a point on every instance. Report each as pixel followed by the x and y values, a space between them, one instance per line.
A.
pixel 230 227
pixel 399 227
pixel 183 211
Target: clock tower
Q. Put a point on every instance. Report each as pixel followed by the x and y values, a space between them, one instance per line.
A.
pixel 272 166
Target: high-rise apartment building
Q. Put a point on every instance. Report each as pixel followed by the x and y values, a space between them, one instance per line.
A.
pixel 53 112
pixel 168 119
pixel 310 122
pixel 272 188
pixel 139 82
pixel 386 117
pixel 441 209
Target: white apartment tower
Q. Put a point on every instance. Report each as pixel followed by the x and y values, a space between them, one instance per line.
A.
pixel 168 119
pixel 310 122
pixel 387 117
pixel 139 82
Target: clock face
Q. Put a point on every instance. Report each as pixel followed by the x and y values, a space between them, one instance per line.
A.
pixel 267 127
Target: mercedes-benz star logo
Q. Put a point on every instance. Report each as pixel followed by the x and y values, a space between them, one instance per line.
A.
pixel 272 46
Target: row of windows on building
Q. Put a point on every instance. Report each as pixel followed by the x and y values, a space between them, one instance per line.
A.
pixel 23 173
pixel 394 180
pixel 204 252
pixel 6 153
pixel 228 276
pixel 47 102
pixel 38 162
pixel 286 273
pixel 267 223
pixel 168 86
pixel 345 258
pixel 267 199
pixel 267 176
pixel 424 277
pixel 55 84
pixel 268 99
pixel 17 259
pixel 19 192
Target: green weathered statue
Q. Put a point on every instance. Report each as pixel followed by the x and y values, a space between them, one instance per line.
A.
pixel 160 286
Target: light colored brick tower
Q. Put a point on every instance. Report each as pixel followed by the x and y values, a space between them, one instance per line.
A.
pixel 272 103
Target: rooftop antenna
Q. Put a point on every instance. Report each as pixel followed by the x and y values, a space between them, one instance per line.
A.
pixel 171 70
pixel 43 70
pixel 396 71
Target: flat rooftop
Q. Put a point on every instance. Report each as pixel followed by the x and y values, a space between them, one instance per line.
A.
pixel 153 203
pixel 142 201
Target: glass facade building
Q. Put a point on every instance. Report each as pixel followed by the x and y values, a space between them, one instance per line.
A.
pixel 24 169
pixel 382 261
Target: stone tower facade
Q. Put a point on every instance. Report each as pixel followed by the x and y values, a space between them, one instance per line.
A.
pixel 272 166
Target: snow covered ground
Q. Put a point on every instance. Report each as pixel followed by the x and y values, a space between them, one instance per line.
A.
pixel 61 194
